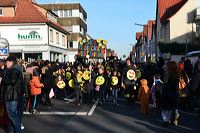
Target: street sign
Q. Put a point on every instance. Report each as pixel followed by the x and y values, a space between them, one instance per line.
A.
pixel 3 51
pixel 4 47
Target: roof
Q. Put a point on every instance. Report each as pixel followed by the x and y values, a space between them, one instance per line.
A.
pixel 150 28
pixel 167 8
pixel 5 3
pixel 138 35
pixel 26 12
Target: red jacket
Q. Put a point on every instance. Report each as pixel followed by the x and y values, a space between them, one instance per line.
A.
pixel 35 86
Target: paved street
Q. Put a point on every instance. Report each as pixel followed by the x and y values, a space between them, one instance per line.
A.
pixel 64 118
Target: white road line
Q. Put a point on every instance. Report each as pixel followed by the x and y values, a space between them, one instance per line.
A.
pixel 93 108
pixel 58 113
pixel 81 113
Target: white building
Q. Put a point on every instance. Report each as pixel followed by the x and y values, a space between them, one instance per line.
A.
pixel 32 32
pixel 73 18
pixel 172 23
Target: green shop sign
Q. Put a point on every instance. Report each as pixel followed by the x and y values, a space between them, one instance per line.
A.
pixel 32 36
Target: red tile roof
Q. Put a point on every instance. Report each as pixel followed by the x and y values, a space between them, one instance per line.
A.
pixel 5 3
pixel 138 35
pixel 150 28
pixel 167 8
pixel 26 12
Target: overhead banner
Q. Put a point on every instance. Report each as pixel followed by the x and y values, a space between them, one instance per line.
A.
pixel 92 48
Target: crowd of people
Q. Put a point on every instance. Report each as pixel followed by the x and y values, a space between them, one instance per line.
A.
pixel 167 84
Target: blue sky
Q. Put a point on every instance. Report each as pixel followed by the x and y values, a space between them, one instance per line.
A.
pixel 114 20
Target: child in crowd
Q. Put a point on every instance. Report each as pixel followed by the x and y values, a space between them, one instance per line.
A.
pixel 156 91
pixel 35 87
pixel 143 96
pixel 115 86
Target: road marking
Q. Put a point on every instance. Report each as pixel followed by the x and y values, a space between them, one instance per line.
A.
pixel 59 113
pixel 81 113
pixel 93 108
pixel 188 113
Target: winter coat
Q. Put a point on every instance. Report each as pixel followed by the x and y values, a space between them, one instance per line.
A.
pixel 35 86
pixel 13 86
pixel 47 78
pixel 27 78
pixel 169 95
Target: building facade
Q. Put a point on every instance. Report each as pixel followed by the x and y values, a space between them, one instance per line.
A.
pixel 172 25
pixel 73 18
pixel 32 32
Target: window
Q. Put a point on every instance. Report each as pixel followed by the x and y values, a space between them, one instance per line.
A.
pixel 61 13
pixel 63 40
pixel 57 38
pixel 1 12
pixel 80 28
pixel 65 13
pixel 70 13
pixel 70 44
pixel 51 35
pixel 84 18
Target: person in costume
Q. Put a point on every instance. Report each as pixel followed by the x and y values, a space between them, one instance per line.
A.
pixel 108 75
pixel 115 86
pixel 100 85
pixel 156 91
pixel 143 96
pixel 68 76
pixel 77 85
pixel 128 81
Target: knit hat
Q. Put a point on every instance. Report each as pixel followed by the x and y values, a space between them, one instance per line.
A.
pixel 11 58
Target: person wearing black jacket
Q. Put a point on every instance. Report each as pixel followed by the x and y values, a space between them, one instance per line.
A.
pixel 128 81
pixel 77 86
pixel 13 89
pixel 48 81
pixel 169 95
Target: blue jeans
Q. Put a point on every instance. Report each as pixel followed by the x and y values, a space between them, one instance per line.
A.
pixel 115 93
pixel 15 116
